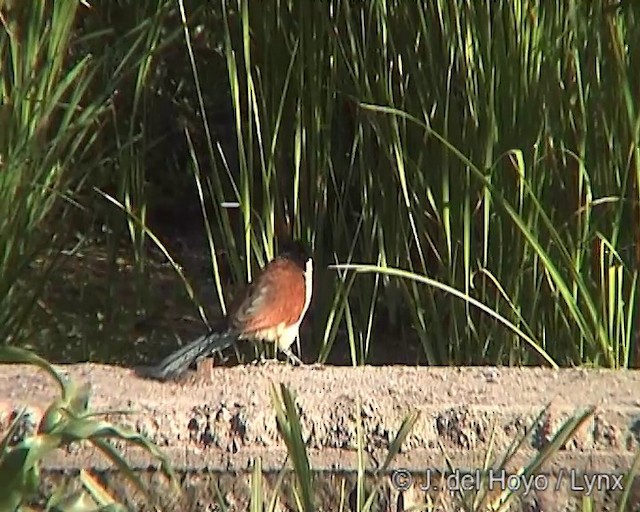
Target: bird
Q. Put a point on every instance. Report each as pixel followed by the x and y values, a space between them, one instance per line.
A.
pixel 272 309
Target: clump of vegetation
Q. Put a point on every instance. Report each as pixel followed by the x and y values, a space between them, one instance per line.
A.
pixel 67 421
pixel 469 171
pixel 486 151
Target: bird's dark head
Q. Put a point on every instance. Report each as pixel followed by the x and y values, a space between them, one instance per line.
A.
pixel 296 251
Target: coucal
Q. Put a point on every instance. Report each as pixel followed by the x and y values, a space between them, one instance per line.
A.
pixel 272 309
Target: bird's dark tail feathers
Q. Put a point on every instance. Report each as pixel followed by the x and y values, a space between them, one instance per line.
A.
pixel 179 361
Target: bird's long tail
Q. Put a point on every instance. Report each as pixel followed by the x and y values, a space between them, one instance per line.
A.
pixel 179 361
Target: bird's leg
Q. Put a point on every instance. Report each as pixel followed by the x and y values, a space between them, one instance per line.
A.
pixel 299 350
pixel 260 351
pixel 291 356
pixel 236 350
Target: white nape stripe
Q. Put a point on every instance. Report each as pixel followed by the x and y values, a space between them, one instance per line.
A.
pixel 308 287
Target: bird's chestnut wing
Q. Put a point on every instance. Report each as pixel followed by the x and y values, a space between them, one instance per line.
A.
pixel 277 296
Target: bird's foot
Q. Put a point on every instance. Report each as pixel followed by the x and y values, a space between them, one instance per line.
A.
pixel 261 361
pixel 293 359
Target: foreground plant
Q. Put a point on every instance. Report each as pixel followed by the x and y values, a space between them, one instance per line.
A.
pixel 379 489
pixel 366 495
pixel 66 422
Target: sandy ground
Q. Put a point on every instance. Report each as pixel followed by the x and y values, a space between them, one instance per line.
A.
pixel 222 418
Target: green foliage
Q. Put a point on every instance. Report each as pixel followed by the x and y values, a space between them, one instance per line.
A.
pixel 57 89
pixel 291 431
pixel 368 493
pixel 66 422
pixel 479 160
pixel 46 129
pixel 490 148
pixel 477 145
